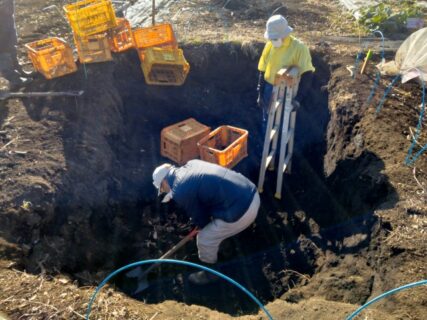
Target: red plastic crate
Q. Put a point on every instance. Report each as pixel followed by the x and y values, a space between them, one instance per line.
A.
pixel 157 36
pixel 121 37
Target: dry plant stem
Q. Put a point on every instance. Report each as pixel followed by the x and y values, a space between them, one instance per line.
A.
pixel 414 171
pixel 9 143
pixel 413 138
pixel 155 315
pixel 297 273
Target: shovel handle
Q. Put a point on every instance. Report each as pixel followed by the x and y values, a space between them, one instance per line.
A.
pixel 7 95
pixel 180 244
pixel 174 249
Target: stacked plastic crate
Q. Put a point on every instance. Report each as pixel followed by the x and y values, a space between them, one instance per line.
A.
pixel 97 31
pixel 52 57
pixel 162 62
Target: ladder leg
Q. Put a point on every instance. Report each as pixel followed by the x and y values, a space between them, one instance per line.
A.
pixel 277 123
pixel 283 142
pixel 291 140
pixel 271 113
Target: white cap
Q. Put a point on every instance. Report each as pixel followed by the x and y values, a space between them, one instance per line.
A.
pixel 277 28
pixel 159 174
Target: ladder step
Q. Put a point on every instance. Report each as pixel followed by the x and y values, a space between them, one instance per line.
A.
pixel 277 104
pixel 286 162
pixel 289 136
pixel 269 158
pixel 273 132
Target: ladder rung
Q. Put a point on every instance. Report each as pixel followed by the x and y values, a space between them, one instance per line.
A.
pixel 289 136
pixel 269 158
pixel 277 104
pixel 273 132
pixel 286 162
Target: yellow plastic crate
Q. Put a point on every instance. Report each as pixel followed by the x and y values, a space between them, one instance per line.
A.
pixel 90 17
pixel 95 48
pixel 166 67
pixel 52 57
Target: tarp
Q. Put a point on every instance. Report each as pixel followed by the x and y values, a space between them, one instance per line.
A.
pixel 411 58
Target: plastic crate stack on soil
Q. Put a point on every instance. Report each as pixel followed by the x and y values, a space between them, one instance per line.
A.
pixel 162 62
pixel 52 57
pixel 189 139
pixel 91 22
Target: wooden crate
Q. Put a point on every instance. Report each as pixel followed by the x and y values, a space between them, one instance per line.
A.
pixel 179 141
pixel 225 146
pixel 93 49
pixel 52 57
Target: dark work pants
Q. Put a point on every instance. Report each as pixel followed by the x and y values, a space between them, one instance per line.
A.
pixel 8 37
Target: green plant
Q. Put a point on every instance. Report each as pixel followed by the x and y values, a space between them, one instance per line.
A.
pixel 389 14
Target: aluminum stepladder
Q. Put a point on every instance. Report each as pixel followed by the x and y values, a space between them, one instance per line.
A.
pixel 280 123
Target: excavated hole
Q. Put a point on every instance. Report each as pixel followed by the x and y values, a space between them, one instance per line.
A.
pixel 315 214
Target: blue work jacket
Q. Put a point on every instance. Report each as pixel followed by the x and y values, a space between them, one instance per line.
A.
pixel 208 191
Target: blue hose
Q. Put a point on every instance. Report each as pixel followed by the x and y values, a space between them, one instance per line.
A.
pixel 378 75
pixel 374 87
pixel 356 63
pixel 383 43
pixel 409 159
pixel 387 91
pixel 171 261
pixel 386 294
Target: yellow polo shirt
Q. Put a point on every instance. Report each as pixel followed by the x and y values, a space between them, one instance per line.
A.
pixel 293 52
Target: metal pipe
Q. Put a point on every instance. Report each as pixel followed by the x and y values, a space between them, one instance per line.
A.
pixel 153 18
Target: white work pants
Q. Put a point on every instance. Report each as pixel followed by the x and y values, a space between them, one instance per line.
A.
pixel 211 236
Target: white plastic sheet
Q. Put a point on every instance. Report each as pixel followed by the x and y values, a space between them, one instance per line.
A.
pixel 411 58
pixel 139 14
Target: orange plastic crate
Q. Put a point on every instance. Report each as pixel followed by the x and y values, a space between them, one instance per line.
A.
pixel 90 17
pixel 225 146
pixel 121 37
pixel 179 141
pixel 95 48
pixel 157 36
pixel 166 67
pixel 52 57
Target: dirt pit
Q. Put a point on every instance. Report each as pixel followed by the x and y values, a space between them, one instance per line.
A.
pixel 101 212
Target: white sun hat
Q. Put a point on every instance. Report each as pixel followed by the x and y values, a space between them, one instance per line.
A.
pixel 277 28
pixel 159 174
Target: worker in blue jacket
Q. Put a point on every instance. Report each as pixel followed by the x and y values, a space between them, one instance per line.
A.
pixel 220 201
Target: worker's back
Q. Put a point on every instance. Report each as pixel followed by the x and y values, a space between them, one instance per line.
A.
pixel 207 190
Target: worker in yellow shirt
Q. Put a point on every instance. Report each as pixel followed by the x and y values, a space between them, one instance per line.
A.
pixel 282 51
